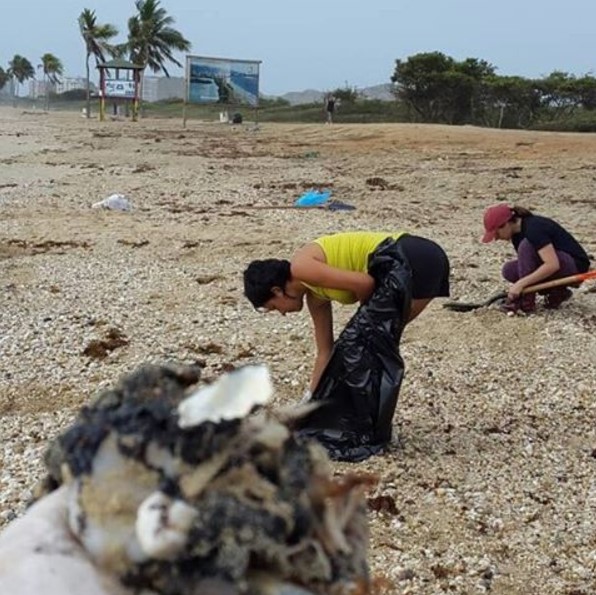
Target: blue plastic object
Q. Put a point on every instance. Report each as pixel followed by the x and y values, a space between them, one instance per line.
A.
pixel 313 198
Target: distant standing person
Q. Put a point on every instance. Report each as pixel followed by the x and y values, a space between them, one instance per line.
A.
pixel 330 104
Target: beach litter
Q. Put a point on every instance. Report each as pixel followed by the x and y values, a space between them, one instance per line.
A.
pixel 114 202
pixel 321 199
pixel 171 487
pixel 313 198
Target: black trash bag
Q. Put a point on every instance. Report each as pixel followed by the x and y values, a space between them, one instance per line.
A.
pixel 237 118
pixel 360 384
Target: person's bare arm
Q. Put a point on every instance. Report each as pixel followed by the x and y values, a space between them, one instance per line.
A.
pixel 308 266
pixel 550 265
pixel 322 317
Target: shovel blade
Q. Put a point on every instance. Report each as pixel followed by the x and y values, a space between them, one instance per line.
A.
pixel 462 306
pixel 468 306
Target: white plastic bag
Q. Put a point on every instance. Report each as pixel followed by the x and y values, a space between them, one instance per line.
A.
pixel 115 202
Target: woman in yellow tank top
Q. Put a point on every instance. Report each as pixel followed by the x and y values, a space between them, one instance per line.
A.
pixel 381 270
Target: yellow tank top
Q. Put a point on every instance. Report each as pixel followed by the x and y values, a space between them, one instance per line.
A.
pixel 348 251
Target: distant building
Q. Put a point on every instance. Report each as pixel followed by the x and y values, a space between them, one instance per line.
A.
pixel 158 88
pixel 72 83
pixel 8 90
pixel 37 88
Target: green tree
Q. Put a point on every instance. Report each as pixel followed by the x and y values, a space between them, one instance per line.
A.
pixel 151 38
pixel 437 88
pixel 563 95
pixel 475 68
pixel 477 72
pixel 346 94
pixel 434 87
pixel 558 96
pixel 96 37
pixel 457 97
pixel 515 101
pixel 585 90
pixel 52 69
pixel 20 70
pixel 420 84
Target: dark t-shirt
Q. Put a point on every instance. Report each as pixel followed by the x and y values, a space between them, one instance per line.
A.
pixel 542 231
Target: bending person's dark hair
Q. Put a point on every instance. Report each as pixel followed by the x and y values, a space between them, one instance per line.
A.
pixel 521 212
pixel 261 276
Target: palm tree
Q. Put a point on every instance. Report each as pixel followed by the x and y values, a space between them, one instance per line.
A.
pixel 96 38
pixel 52 69
pixel 151 39
pixel 20 69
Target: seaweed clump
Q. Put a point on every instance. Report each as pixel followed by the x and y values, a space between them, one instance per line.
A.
pixel 177 489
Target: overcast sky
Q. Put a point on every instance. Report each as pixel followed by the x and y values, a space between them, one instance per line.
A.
pixel 324 44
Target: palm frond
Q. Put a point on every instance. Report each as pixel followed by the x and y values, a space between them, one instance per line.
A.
pixel 152 39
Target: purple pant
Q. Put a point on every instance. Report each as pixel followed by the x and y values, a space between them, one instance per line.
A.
pixel 528 261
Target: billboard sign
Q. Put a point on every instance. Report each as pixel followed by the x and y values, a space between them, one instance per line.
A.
pixel 222 80
pixel 119 88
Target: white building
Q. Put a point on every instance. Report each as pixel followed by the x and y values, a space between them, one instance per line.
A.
pixel 158 88
pixel 37 88
pixel 8 90
pixel 71 83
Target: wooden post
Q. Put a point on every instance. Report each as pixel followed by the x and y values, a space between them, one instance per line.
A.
pixel 141 75
pixel 102 94
pixel 186 91
pixel 258 96
pixel 135 103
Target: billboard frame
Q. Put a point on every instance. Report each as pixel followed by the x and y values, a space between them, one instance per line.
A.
pixel 225 106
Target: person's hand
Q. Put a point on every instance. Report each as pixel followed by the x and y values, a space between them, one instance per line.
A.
pixel 514 291
pixel 365 289
pixel 39 554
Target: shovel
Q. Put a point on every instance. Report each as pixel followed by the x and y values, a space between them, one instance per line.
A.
pixel 571 280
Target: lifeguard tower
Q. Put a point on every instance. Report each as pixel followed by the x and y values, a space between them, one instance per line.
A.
pixel 120 83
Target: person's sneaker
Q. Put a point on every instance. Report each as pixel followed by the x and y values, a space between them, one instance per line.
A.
pixel 555 297
pixel 525 304
pixel 528 303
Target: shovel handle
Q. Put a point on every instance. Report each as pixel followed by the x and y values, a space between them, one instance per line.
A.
pixel 571 280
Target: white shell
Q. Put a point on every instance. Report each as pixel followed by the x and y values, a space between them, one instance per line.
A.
pixel 162 525
pixel 231 397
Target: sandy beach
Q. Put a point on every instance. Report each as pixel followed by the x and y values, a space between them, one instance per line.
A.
pixel 490 482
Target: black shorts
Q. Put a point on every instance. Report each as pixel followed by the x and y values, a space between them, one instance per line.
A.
pixel 430 267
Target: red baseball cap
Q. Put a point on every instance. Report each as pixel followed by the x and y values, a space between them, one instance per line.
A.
pixel 494 217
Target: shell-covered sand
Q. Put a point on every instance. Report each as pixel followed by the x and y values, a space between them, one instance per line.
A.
pixel 490 482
